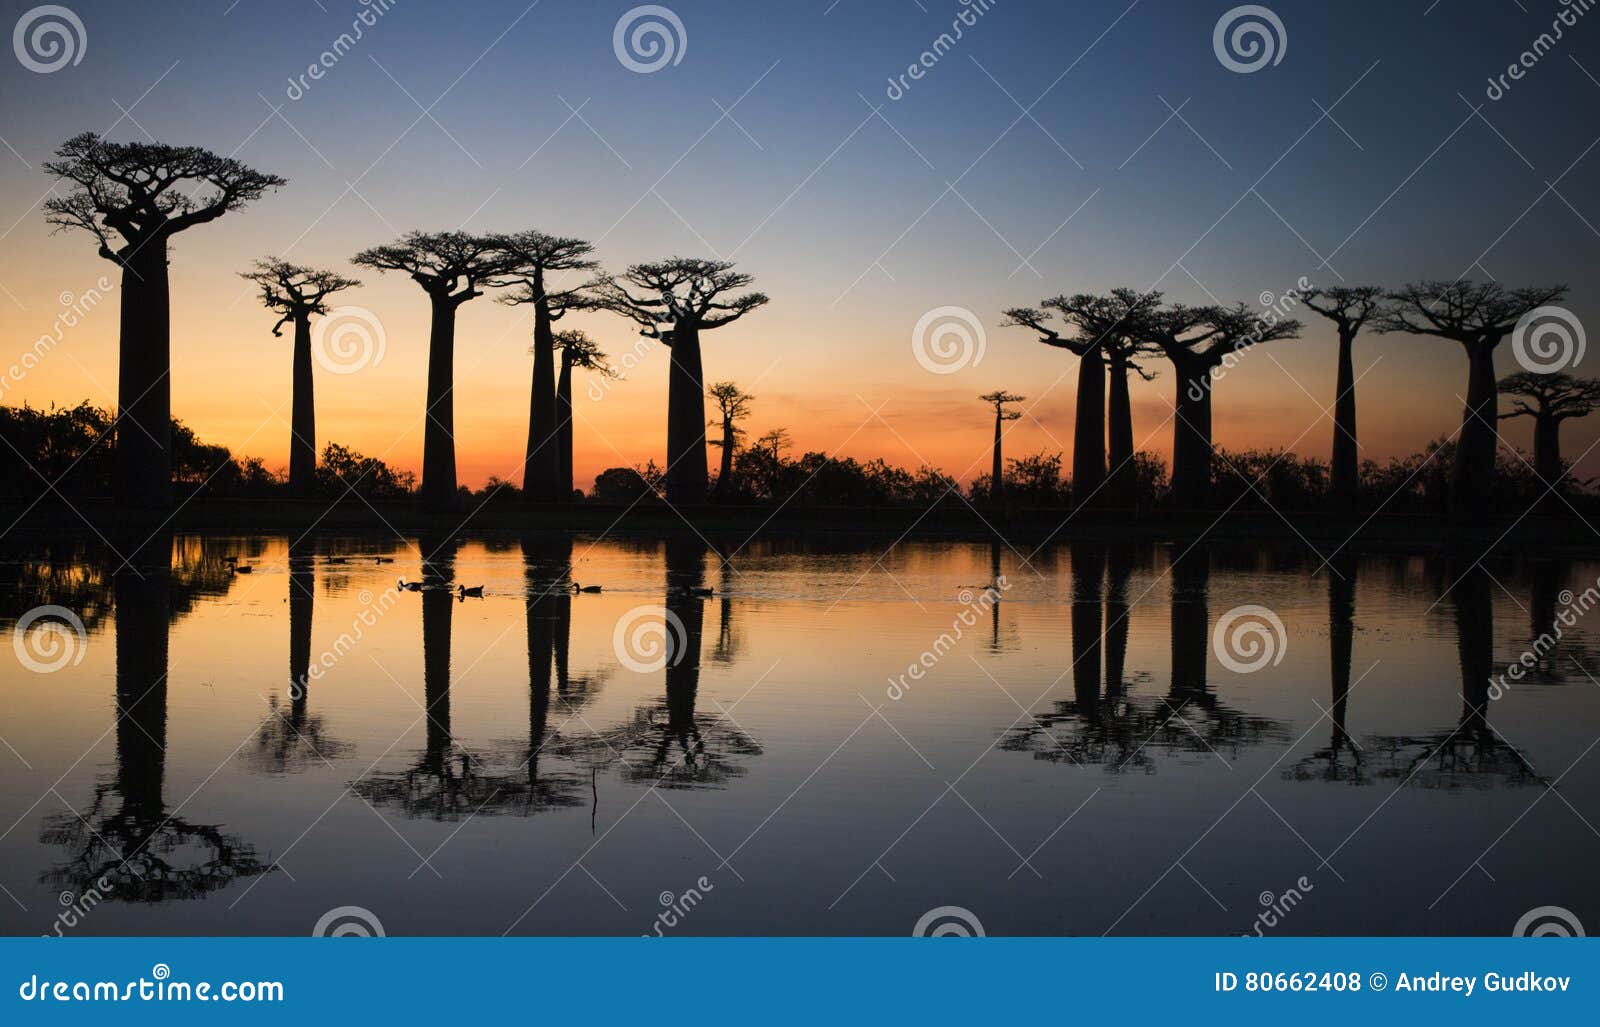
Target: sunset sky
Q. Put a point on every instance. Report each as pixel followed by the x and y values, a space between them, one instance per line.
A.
pixel 855 223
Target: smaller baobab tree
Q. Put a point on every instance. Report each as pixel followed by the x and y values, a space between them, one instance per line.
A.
pixel 577 351
pixel 673 301
pixel 1478 317
pixel 133 198
pixel 1550 399
pixel 544 264
pixel 298 293
pixel 733 406
pixel 1349 308
pixel 452 268
pixel 998 400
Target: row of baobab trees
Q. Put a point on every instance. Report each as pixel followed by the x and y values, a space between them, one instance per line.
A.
pixel 135 197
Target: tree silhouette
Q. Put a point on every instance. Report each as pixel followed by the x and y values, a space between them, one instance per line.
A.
pixel 997 478
pixel 1479 317
pixel 733 406
pixel 1349 308
pixel 1555 398
pixel 1196 340
pixel 682 297
pixel 451 267
pixel 298 293
pixel 540 259
pixel 133 198
pixel 577 350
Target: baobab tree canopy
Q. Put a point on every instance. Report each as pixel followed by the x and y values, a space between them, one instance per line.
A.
pixel 293 290
pixel 452 265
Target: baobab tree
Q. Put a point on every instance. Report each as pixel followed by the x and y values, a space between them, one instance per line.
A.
pixel 733 406
pixel 1349 308
pixel 1197 341
pixel 298 293
pixel 133 198
pixel 997 477
pixel 1554 398
pixel 542 260
pixel 673 301
pixel 577 351
pixel 452 268
pixel 1089 424
pixel 1478 317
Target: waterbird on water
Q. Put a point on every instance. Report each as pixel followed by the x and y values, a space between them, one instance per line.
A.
pixel 475 590
pixel 585 588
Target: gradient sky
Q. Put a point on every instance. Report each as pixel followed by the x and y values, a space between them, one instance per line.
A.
pixel 856 224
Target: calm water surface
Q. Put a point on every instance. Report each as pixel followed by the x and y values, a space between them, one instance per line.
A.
pixel 1080 757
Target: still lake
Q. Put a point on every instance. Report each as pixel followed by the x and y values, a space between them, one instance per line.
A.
pixel 1079 751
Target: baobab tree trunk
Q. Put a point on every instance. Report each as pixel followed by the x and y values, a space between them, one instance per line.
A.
pixel 997 476
pixel 1121 477
pixel 564 431
pixel 1191 439
pixel 303 419
pixel 686 420
pixel 725 472
pixel 1089 432
pixel 438 438
pixel 143 465
pixel 1547 450
pixel 1472 476
pixel 543 460
pixel 1346 468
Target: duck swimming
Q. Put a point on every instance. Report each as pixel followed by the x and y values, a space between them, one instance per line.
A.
pixel 463 591
pixel 409 586
pixel 590 589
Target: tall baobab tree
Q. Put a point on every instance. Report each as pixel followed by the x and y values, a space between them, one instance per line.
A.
pixel 997 477
pixel 1197 340
pixel 733 406
pixel 1554 398
pixel 299 293
pixel 1349 308
pixel 133 198
pixel 1089 425
pixel 452 268
pixel 1478 317
pixel 674 301
pixel 577 351
pixel 542 260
